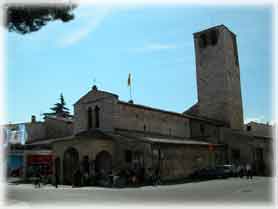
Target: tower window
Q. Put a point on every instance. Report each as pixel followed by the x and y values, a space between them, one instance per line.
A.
pixel 97 117
pixel 213 37
pixel 203 41
pixel 235 50
pixel 89 118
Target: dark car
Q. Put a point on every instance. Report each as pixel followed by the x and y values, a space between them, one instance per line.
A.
pixel 204 173
pixel 16 172
pixel 209 173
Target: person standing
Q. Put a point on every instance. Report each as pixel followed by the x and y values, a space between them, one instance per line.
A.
pixel 248 171
pixel 56 180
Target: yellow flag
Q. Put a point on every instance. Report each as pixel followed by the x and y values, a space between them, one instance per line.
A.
pixel 129 79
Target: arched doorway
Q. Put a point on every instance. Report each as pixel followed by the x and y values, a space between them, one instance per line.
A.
pixel 70 164
pixel 103 162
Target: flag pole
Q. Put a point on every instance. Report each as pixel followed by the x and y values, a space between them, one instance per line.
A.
pixel 129 85
pixel 130 92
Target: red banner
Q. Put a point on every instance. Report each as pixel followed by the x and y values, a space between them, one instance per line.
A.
pixel 39 159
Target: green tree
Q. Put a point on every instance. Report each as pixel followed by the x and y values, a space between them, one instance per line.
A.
pixel 59 109
pixel 23 19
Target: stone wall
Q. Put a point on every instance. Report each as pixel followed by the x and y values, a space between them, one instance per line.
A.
pixel 179 161
pixel 35 131
pixel 259 129
pixel 56 128
pixel 106 104
pixel 247 146
pixel 204 131
pixel 115 114
pixel 142 119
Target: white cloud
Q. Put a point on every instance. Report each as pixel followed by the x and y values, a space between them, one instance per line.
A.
pixel 150 47
pixel 158 46
pixel 95 19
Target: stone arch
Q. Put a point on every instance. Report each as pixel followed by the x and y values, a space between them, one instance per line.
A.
pixel 103 162
pixel 70 164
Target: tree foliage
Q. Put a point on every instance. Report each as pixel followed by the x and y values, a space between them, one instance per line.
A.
pixel 25 19
pixel 59 109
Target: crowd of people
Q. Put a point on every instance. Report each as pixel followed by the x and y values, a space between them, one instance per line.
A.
pixel 129 176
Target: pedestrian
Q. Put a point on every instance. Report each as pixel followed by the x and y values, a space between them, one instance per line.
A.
pixel 241 171
pixel 238 171
pixel 248 171
pixel 38 179
pixel 56 180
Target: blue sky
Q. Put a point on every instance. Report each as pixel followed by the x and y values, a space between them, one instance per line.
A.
pixel 153 43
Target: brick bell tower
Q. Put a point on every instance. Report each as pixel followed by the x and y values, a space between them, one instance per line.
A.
pixel 218 76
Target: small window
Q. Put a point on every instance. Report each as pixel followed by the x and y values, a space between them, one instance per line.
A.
pixel 89 117
pixel 97 117
pixel 144 127
pixel 128 156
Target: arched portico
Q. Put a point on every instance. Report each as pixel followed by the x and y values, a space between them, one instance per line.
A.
pixel 103 162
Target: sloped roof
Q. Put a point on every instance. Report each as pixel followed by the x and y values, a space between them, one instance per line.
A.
pixel 125 136
pixel 184 115
pixel 96 91
pixel 162 139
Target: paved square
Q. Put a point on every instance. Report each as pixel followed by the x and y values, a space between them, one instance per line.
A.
pixel 232 190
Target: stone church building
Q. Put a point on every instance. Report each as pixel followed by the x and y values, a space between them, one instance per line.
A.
pixel 110 134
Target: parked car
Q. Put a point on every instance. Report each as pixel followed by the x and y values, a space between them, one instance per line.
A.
pixel 204 173
pixel 210 173
pixel 229 170
pixel 16 172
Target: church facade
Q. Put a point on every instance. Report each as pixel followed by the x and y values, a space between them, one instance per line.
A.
pixel 110 134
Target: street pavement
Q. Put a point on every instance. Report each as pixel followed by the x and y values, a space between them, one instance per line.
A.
pixel 222 191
